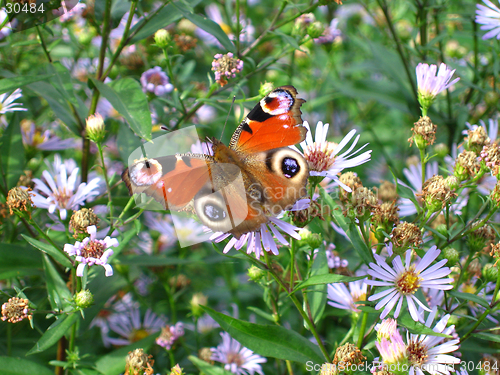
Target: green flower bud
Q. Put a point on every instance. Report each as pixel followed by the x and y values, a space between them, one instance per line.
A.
pixel 255 273
pixel 441 150
pixel 95 128
pixel 452 255
pixel 196 302
pixel 490 272
pixel 84 299
pixel 315 29
pixel 162 38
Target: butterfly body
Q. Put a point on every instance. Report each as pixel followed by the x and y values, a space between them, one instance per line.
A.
pixel 239 186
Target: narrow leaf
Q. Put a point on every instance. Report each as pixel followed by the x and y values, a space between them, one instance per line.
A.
pixel 11 84
pixel 327 279
pixel 12 151
pixel 269 340
pixel 470 297
pixel 418 328
pixel 58 291
pixel 21 366
pixel 54 333
pixel 317 293
pixel 56 254
pixel 490 337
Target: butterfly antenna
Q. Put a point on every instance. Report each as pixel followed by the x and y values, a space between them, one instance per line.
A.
pixel 227 117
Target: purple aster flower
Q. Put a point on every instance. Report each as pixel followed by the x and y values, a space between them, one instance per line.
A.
pixel 237 359
pixel 129 326
pixel 169 335
pixel 489 17
pixel 156 81
pixel 43 140
pixel 7 102
pixel 7 28
pixel 330 34
pixel 403 280
pixel 62 192
pixel 92 251
pixel 430 84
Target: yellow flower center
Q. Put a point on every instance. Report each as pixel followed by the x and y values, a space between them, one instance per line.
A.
pixel 138 334
pixel 417 353
pixel 408 282
pixel 94 249
pixel 235 358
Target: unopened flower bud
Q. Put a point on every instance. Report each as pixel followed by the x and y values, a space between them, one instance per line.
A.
pixel 84 299
pixel 441 150
pixel 386 329
pixel 265 88
pixel 95 128
pixel 162 38
pixel 315 29
pixel 255 273
pixel 490 272
pixel 198 300
pixel 452 182
pixel 313 240
pixel 451 254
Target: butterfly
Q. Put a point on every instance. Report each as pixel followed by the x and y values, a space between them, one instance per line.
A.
pixel 237 187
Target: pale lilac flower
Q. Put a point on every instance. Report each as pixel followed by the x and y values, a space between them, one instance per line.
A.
pixel 225 67
pixel 331 33
pixel 75 12
pixel 342 298
pixel 430 353
pixel 169 335
pixel 237 359
pixel 403 280
pixel 265 234
pixel 392 349
pixel 130 328
pixel 62 192
pixel 43 140
pixel 206 114
pixel 7 28
pixel 7 102
pixel 156 81
pixel 202 148
pixel 162 223
pixel 323 156
pixel 206 324
pixel 430 84
pixel 92 251
pixel 489 17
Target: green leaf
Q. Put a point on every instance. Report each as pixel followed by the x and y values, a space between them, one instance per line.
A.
pixel 58 291
pixel 18 260
pixel 12 151
pixel 114 362
pixel 317 294
pixel 152 260
pixel 269 340
pixel 54 333
pixel 126 96
pixel 470 297
pixel 207 368
pixel 490 337
pixel 56 254
pixel 350 229
pixel 207 25
pixel 127 142
pixel 418 328
pixel 327 279
pixel 58 103
pixel 169 14
pixel 21 366
pixel 11 84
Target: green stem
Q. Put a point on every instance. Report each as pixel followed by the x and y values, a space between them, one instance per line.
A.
pixel 9 330
pixel 110 203
pixel 44 46
pixel 289 367
pixel 173 79
pixel 44 235
pixel 485 314
pixel 172 358
pixel 362 329
pixel 301 311
pixel 292 263
pixel 422 16
pixel 127 207
pixel 237 33
pixel 422 163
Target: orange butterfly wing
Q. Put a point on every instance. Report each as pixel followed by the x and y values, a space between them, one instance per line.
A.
pixel 273 123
